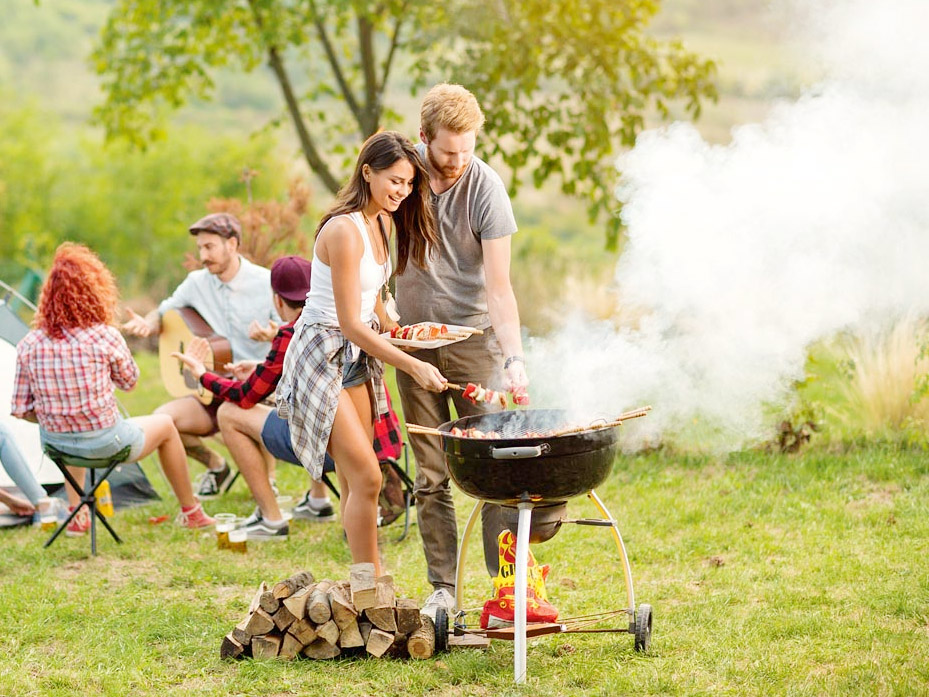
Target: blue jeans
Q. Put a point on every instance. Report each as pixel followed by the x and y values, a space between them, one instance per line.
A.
pixel 16 466
pixel 99 445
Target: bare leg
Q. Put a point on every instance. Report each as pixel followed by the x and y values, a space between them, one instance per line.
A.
pixel 160 433
pixel 192 422
pixel 359 473
pixel 79 473
pixel 241 429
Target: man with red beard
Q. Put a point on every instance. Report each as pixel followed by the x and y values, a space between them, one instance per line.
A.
pixel 233 295
pixel 466 282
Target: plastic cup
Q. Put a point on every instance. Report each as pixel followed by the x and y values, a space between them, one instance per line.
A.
pixel 286 506
pixel 225 523
pixel 238 540
pixel 48 514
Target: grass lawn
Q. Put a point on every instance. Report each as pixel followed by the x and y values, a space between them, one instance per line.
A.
pixel 768 575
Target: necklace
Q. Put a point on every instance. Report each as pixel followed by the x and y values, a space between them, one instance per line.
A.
pixel 372 235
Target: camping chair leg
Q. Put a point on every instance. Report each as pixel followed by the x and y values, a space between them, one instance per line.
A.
pixel 90 500
pixel 329 485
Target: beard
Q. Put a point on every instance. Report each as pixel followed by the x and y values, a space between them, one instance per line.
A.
pixel 444 172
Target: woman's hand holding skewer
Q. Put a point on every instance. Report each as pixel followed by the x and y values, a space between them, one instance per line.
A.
pixel 427 376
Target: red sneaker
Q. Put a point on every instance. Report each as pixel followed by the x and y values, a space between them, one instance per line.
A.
pixel 193 517
pixel 79 524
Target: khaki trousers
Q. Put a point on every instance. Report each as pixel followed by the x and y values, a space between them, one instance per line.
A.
pixel 478 359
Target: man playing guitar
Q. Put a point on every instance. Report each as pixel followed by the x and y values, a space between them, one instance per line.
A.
pixel 233 296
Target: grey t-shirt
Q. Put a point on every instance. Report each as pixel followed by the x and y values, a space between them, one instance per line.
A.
pixel 451 288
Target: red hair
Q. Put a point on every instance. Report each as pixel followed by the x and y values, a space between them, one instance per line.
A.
pixel 80 291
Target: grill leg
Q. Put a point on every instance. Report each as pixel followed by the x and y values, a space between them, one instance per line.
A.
pixel 520 590
pixel 618 539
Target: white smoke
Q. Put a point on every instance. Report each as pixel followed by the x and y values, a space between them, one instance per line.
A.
pixel 743 255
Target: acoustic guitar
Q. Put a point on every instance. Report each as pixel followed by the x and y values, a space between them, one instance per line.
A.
pixel 178 328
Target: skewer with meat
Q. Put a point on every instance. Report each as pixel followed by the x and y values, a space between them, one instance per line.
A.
pixel 478 394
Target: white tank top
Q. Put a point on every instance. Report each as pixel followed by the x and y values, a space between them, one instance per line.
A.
pixel 320 301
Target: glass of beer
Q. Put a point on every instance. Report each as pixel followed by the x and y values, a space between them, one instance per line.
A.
pixel 238 540
pixel 225 522
pixel 48 514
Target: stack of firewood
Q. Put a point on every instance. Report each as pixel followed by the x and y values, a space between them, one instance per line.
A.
pixel 302 617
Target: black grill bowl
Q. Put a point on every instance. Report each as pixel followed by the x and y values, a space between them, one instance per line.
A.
pixel 546 470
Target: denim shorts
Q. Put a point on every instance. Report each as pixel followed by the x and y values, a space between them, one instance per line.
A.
pixel 356 372
pixel 99 445
pixel 275 435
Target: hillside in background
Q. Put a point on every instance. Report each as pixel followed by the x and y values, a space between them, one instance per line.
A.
pixel 44 68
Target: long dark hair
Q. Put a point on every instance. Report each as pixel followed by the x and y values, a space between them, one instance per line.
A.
pixel 416 228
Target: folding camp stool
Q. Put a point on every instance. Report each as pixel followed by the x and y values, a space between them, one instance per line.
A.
pixel 88 498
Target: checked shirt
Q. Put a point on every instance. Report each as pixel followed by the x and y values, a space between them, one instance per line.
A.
pixel 261 383
pixel 308 393
pixel 68 382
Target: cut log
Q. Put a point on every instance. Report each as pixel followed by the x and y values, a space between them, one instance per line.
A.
pixel 321 649
pixel 240 631
pixel 364 628
pixel 408 618
pixel 421 643
pixel 397 649
pixel 257 599
pixel 297 602
pixel 269 603
pixel 267 646
pixel 343 612
pixel 290 647
pixel 350 636
pixel 289 586
pixel 283 618
pixel 259 623
pixel 382 614
pixel 364 589
pixel 304 631
pixel 230 648
pixel 378 642
pixel 328 631
pixel 318 608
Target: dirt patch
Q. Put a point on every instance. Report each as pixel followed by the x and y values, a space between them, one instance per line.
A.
pixel 875 494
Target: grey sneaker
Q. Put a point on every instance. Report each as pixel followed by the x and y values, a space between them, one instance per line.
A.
pixel 259 531
pixel 212 484
pixel 440 598
pixel 305 511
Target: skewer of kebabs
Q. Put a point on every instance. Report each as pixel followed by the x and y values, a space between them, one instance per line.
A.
pixel 477 394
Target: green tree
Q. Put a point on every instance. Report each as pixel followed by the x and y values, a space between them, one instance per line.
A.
pixel 564 83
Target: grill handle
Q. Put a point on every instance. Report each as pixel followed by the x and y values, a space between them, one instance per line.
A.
pixel 523 452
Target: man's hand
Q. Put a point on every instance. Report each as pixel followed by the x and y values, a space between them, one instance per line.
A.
pixel 256 332
pixel 137 325
pixel 241 369
pixel 516 379
pixel 197 352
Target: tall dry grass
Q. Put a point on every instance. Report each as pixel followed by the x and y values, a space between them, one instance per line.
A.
pixel 881 370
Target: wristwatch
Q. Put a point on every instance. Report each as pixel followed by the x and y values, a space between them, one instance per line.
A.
pixel 511 360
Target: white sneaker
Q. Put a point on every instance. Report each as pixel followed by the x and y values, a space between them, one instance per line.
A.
pixel 440 598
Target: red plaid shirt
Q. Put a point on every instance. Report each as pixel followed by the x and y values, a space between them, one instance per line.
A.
pixel 69 382
pixel 261 383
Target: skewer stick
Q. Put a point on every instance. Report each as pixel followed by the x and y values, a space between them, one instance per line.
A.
pixel 424 430
pixel 634 414
pixel 453 386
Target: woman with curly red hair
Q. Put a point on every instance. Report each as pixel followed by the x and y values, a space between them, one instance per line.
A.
pixel 66 369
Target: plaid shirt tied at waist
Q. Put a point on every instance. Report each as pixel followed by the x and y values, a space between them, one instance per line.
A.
pixel 308 393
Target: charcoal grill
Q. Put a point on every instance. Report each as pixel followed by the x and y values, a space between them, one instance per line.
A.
pixel 537 457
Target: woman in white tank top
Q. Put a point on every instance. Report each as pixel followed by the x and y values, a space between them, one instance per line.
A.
pixel 338 330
